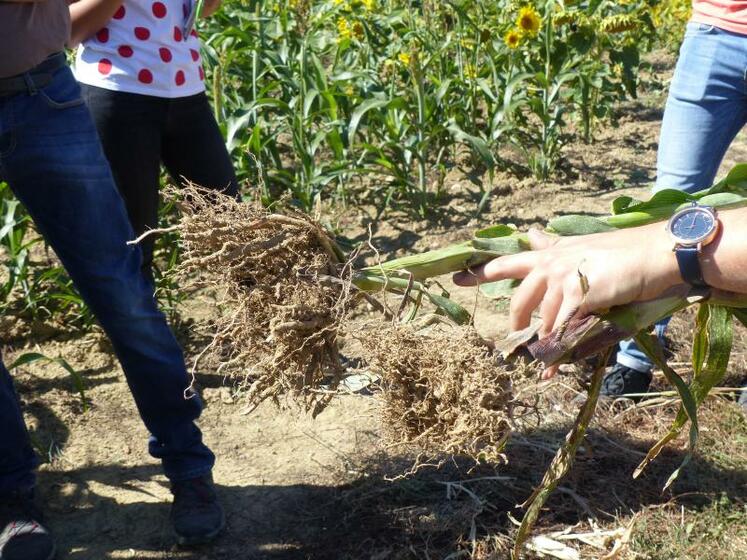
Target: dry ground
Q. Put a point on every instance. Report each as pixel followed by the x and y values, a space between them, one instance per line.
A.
pixel 321 489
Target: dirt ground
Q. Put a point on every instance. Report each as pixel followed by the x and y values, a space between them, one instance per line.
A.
pixel 297 488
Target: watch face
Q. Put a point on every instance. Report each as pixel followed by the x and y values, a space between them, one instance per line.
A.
pixel 692 225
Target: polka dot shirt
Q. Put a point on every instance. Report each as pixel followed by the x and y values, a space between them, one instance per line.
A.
pixel 143 50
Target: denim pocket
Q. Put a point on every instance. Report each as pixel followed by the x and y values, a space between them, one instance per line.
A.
pixel 694 29
pixel 64 92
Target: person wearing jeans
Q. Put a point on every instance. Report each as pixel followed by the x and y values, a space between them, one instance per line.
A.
pixel 140 68
pixel 51 158
pixel 705 109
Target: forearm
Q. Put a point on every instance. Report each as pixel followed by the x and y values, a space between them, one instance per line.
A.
pixel 724 261
pixel 88 16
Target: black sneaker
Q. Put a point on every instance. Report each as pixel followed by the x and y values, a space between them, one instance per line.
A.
pixel 622 380
pixel 196 514
pixel 22 537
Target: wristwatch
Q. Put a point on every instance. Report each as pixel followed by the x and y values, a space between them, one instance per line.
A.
pixel 691 229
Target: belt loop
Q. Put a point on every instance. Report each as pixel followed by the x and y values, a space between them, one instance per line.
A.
pixel 30 84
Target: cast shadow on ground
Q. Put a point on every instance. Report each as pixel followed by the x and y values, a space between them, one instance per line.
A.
pixel 412 517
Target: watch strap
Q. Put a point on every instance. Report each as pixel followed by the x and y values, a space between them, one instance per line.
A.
pixel 689 263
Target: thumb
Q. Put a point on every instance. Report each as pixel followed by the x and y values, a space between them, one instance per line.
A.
pixel 539 240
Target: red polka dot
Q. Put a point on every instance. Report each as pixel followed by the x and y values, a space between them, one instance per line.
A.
pixel 193 33
pixel 159 10
pixel 177 33
pixel 195 55
pixel 202 73
pixel 145 76
pixel 125 51
pixel 142 33
pixel 165 54
pixel 120 13
pixel 102 35
pixel 105 66
pixel 179 78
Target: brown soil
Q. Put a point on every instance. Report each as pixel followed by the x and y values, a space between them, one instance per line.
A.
pixel 297 488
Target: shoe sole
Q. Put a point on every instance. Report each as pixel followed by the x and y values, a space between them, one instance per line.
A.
pixel 182 540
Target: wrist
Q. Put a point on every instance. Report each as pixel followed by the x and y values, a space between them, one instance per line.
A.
pixel 666 270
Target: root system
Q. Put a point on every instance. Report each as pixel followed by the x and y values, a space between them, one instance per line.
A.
pixel 444 389
pixel 281 314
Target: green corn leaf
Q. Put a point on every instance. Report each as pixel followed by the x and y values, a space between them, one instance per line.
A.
pixel 77 378
pixel 700 340
pixel 724 200
pixel 26 359
pixel 735 180
pixel 498 230
pixel 563 460
pixel 622 203
pixel 359 112
pixel 497 246
pixel 371 282
pixel 453 310
pixel 578 225
pixel 501 289
pixel 664 198
pixel 650 345
pixel 478 144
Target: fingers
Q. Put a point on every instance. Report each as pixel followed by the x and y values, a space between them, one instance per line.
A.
pixel 550 372
pixel 526 299
pixel 539 240
pixel 549 310
pixel 568 308
pixel 510 266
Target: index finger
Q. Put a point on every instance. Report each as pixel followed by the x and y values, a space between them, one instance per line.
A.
pixel 511 266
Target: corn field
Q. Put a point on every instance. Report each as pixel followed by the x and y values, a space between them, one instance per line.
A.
pixel 376 99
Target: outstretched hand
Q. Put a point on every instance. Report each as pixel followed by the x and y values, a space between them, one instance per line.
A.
pixel 618 267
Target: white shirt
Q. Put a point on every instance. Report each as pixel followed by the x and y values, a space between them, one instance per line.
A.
pixel 143 50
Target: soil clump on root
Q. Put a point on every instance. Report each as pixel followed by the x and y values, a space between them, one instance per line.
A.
pixel 285 296
pixel 443 389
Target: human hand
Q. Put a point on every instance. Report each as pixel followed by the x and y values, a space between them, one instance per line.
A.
pixel 619 267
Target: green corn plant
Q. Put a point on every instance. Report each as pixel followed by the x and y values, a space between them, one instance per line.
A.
pixel 75 375
pixel 585 336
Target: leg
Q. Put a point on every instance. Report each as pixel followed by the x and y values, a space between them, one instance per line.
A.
pixel 130 128
pixel 57 169
pixel 705 110
pixel 17 459
pixel 194 149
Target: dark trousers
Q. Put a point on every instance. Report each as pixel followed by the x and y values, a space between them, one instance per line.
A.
pixel 51 158
pixel 140 132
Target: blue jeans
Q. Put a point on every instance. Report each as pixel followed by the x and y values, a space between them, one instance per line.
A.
pixel 706 108
pixel 51 157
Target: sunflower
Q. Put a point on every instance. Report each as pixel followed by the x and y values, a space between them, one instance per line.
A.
pixel 528 21
pixel 512 39
pixel 344 29
pixel 357 30
pixel 470 72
